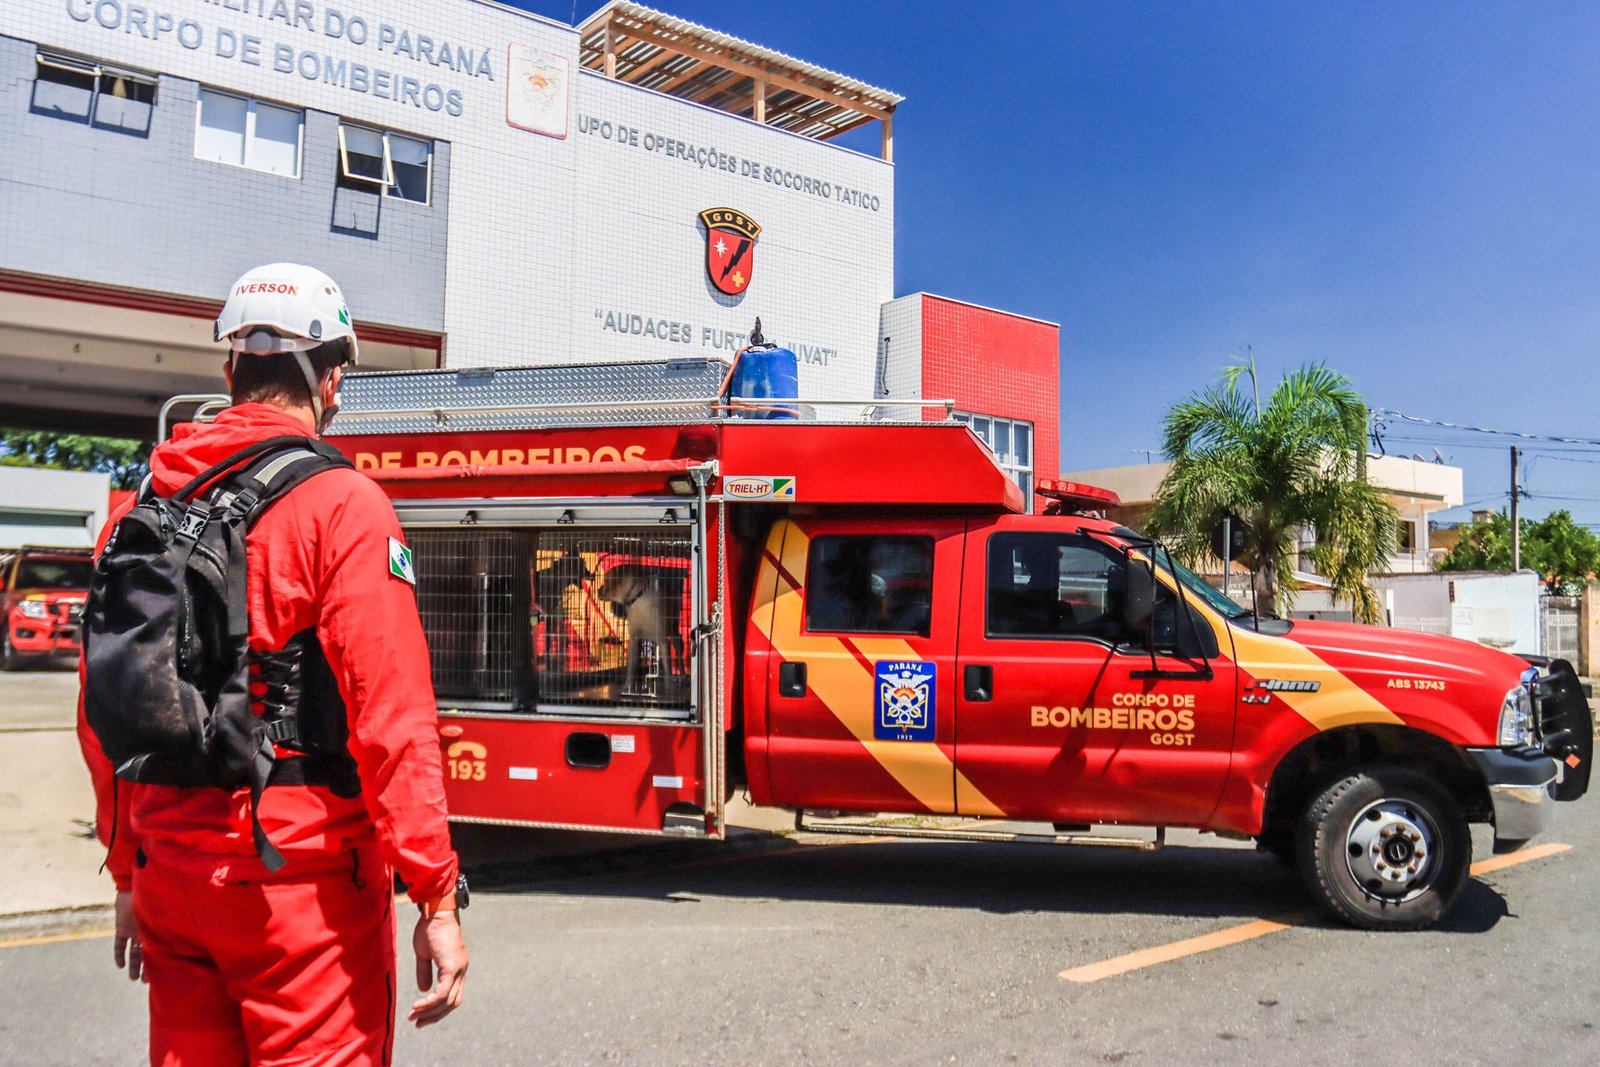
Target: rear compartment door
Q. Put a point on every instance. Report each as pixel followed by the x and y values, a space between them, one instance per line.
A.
pixel 577 661
pixel 859 620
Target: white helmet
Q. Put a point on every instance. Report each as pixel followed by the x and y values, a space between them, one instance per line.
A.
pixel 287 307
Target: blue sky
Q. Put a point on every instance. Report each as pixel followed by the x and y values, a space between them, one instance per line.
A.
pixel 1408 192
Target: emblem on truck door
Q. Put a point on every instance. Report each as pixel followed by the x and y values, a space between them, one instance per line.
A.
pixel 905 700
pixel 730 248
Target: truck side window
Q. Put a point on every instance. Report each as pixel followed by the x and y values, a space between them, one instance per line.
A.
pixel 1054 585
pixel 870 584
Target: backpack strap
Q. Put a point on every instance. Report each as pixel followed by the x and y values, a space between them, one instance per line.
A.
pixel 211 473
pixel 274 467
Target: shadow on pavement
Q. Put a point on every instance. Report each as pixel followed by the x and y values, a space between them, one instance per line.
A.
pixel 1000 879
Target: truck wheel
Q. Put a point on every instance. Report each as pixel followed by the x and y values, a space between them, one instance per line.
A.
pixel 9 660
pixel 1385 848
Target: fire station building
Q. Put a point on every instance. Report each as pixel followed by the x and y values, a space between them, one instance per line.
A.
pixel 490 188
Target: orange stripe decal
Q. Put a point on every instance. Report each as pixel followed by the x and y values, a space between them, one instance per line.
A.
pixel 843 681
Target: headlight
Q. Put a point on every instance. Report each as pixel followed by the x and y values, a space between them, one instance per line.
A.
pixel 1516 718
pixel 36 609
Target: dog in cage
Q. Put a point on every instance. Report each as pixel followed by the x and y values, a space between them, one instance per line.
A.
pixel 651 604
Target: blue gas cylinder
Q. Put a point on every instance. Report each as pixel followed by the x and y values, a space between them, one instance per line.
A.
pixel 767 372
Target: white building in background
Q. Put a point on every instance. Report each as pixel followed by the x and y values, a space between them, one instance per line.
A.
pixel 1417 489
pixel 59 509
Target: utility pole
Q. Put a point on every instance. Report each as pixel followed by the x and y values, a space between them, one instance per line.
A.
pixel 1516 526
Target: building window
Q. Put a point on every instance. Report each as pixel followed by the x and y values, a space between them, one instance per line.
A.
pixel 1012 444
pixel 870 585
pixel 1408 536
pixel 380 160
pixel 248 133
pixel 84 91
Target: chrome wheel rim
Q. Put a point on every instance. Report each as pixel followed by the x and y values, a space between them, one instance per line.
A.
pixel 1392 849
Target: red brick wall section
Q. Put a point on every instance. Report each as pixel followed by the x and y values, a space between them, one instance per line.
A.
pixel 993 363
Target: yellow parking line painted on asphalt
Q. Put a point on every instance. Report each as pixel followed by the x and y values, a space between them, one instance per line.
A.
pixel 1233 935
pixel 1511 859
pixel 50 939
pixel 1149 957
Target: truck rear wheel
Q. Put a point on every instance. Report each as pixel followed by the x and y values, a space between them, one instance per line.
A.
pixel 9 660
pixel 1385 848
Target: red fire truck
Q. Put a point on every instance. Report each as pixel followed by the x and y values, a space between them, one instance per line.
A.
pixel 636 606
pixel 42 593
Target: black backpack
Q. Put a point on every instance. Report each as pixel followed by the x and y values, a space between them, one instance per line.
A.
pixel 166 643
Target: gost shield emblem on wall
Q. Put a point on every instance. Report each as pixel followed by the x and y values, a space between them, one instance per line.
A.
pixel 730 248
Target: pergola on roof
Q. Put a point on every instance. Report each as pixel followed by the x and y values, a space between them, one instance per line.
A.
pixel 671 55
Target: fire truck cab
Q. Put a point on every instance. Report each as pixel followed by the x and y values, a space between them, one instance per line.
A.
pixel 636 606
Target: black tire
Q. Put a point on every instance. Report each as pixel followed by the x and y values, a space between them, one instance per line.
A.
pixel 1378 813
pixel 9 660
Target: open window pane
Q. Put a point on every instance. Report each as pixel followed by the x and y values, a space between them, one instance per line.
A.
pixel 64 87
pixel 1022 444
pixel 219 137
pixel 361 156
pixel 409 158
pixel 276 145
pixel 124 103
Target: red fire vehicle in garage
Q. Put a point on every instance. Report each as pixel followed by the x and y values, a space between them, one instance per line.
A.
pixel 635 606
pixel 42 593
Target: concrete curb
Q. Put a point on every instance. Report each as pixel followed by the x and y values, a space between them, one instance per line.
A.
pixel 50 922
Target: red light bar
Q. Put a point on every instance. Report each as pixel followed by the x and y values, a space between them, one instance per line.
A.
pixel 1077 494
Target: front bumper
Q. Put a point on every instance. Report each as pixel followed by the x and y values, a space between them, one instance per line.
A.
pixel 1522 786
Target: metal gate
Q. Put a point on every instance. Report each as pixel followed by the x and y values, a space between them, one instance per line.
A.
pixel 1558 627
pixel 591 621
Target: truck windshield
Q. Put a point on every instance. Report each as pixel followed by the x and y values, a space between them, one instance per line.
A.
pixel 1200 588
pixel 54 574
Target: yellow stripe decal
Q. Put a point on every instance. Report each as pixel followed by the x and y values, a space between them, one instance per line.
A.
pixel 1339 701
pixel 845 685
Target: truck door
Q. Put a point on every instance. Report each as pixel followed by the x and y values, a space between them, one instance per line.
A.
pixel 860 623
pixel 1057 714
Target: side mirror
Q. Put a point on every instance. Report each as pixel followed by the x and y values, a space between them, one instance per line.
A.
pixel 1140 602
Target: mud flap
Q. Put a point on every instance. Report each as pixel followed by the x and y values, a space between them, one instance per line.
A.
pixel 1568 727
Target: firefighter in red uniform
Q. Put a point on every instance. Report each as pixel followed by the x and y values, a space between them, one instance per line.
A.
pixel 297 966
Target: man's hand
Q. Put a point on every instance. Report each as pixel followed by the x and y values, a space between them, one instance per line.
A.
pixel 125 946
pixel 438 945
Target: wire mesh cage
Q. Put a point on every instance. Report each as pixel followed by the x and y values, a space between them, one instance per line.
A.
pixel 545 619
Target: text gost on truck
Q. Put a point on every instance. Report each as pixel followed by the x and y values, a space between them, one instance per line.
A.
pixel 636 607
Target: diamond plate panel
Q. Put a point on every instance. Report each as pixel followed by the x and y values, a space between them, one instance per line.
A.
pixel 529 398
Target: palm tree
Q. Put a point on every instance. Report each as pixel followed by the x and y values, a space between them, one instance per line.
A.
pixel 1296 463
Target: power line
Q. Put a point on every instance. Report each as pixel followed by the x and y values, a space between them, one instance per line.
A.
pixel 1386 413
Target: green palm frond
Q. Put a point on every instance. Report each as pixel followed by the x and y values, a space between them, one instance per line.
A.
pixel 1295 462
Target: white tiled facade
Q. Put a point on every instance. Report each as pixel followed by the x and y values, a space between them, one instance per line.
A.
pixel 583 244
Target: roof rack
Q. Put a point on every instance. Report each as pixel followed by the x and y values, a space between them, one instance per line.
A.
pixel 659 392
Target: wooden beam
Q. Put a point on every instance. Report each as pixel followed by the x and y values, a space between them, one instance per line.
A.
pixel 794 111
pixel 888 137
pixel 758 93
pixel 638 70
pixel 858 121
pixel 722 58
pixel 683 76
pixel 725 85
pixel 611 49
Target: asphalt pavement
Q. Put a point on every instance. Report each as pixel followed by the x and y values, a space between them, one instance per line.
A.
pixel 804 949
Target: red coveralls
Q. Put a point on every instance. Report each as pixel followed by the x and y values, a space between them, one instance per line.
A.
pixel 298 966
